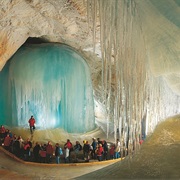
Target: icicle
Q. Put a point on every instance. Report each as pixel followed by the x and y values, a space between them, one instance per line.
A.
pixel 124 56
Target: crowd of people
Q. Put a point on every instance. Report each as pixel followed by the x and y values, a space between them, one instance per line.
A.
pixel 67 153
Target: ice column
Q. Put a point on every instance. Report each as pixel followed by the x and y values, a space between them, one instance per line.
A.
pixel 51 82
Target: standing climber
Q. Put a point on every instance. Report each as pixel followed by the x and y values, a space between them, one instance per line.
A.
pixel 32 124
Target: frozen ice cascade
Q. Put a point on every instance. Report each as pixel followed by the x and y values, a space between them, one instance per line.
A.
pixel 51 82
pixel 136 74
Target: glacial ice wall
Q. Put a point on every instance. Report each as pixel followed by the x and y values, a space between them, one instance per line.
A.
pixel 51 82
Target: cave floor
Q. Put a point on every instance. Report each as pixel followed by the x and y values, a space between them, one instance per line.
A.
pixel 158 158
pixel 12 167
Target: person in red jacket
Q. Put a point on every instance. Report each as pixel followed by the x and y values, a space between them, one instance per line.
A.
pixel 32 124
pixel 49 152
pixel 68 148
pixel 100 151
pixel 7 142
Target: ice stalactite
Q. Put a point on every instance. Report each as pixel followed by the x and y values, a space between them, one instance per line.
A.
pixel 136 96
pixel 122 61
pixel 51 82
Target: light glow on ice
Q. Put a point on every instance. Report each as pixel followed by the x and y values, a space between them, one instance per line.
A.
pixel 51 82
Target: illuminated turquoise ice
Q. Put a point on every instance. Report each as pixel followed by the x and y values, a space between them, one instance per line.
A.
pixel 51 82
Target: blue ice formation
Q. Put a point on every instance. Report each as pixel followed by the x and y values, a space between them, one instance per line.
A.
pixel 51 82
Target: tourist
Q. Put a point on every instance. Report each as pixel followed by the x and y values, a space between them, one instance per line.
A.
pixel 67 159
pixel 30 145
pixel 117 149
pixel 49 152
pixel 105 152
pixel 7 142
pixel 112 151
pixel 32 122
pixel 100 152
pixel 77 149
pixel 26 152
pixel 36 152
pixel 86 151
pixel 57 153
pixel 42 153
pixel 68 145
pixel 99 141
pixel 94 147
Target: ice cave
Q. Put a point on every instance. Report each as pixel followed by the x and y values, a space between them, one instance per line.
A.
pixel 129 79
pixel 105 68
pixel 52 83
pixel 125 81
